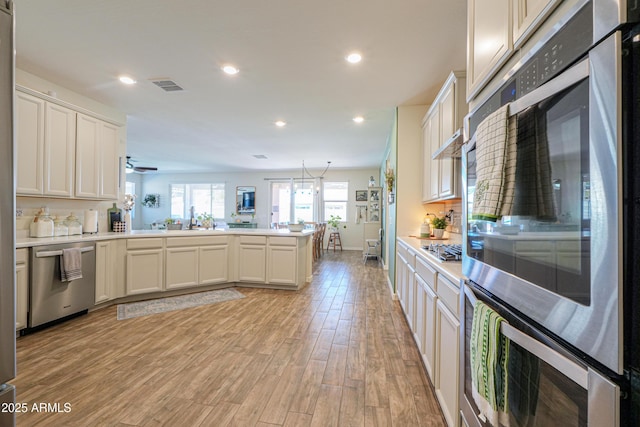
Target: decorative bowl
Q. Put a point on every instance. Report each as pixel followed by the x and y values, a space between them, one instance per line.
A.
pixel 296 227
pixel 174 226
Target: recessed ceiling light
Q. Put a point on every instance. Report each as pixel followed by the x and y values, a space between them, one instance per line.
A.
pixel 280 123
pixel 127 80
pixel 354 57
pixel 358 119
pixel 230 69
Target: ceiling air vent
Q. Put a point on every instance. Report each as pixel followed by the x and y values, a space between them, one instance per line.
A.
pixel 259 156
pixel 167 85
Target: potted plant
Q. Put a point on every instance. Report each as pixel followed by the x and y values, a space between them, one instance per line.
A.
pixel 206 220
pixel 334 222
pixel 438 225
pixel 173 224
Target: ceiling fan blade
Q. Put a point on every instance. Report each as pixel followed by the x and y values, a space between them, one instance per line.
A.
pixel 144 169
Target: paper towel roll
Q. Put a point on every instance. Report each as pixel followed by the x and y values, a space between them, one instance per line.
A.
pixel 90 224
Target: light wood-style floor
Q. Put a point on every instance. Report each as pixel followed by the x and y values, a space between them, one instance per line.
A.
pixel 337 353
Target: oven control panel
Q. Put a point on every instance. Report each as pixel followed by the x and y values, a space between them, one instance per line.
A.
pixel 562 49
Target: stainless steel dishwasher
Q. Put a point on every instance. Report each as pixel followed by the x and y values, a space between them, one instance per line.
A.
pixel 51 299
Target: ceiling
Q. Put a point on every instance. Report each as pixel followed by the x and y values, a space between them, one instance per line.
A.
pixel 291 56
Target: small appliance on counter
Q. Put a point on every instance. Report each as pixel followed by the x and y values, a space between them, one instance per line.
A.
pixel 90 222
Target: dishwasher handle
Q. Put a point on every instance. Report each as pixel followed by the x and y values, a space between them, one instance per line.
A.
pixel 45 254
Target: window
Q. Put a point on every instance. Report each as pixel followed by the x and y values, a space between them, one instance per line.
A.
pixel 207 198
pixel 336 195
pixel 289 206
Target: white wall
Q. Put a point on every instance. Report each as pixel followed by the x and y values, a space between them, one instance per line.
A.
pixel 159 183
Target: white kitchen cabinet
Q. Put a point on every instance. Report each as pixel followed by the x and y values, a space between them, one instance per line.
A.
pixel 181 267
pixel 213 264
pixel 429 352
pixel 46 135
pixel 426 277
pixel 441 177
pixel 527 15
pixel 489 40
pixel 96 159
pixel 145 266
pixel 194 261
pixel 109 161
pixel 105 271
pixel 22 288
pixel 252 259
pixel 281 261
pixel 447 362
pixel 30 144
pixel 419 325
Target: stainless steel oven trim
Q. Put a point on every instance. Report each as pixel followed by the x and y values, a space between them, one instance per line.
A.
pixel 597 329
pixel 603 394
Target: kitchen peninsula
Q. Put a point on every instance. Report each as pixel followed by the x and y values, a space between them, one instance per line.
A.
pixel 150 263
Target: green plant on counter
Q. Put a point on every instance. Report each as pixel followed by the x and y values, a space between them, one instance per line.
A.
pixel 170 221
pixel 205 217
pixel 439 223
pixel 334 221
pixel 300 221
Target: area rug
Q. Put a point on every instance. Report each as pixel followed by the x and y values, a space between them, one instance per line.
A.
pixel 161 305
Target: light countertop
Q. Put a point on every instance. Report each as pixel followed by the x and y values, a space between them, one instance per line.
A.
pixel 26 242
pixel 451 269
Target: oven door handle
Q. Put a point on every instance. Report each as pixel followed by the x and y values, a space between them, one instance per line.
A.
pixel 556 85
pixel 572 370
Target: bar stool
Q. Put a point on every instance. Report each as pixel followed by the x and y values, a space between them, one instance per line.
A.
pixel 334 241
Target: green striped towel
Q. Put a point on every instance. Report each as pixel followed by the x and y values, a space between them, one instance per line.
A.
pixel 489 356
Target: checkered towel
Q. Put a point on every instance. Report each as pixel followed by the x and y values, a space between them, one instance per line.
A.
pixel 495 166
pixel 489 358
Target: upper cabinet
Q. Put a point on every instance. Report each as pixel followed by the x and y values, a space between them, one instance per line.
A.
pixel 441 177
pixel 64 153
pixel 494 29
pixel 527 14
pixel 97 169
pixel 46 135
pixel 489 40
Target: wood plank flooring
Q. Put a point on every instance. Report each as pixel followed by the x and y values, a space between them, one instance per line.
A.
pixel 337 353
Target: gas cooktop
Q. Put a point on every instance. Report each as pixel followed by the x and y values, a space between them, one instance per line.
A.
pixel 444 252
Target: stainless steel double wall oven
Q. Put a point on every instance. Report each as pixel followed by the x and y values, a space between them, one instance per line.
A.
pixel 561 267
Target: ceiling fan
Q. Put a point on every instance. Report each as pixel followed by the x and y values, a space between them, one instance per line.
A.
pixel 140 169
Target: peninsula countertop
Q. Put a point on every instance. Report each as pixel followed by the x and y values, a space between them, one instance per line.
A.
pixel 27 242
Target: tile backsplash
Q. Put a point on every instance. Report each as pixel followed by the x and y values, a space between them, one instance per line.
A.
pixel 28 207
pixel 454 229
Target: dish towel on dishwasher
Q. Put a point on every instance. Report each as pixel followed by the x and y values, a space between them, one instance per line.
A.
pixel 70 264
pixel 489 357
pixel 495 166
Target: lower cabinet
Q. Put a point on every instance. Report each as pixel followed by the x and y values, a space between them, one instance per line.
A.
pixel 431 304
pixel 213 264
pixel 281 260
pixel 104 271
pixel 181 268
pixel 145 266
pixel 447 360
pixel 22 288
pixel 252 259
pixel 194 261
